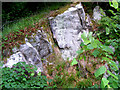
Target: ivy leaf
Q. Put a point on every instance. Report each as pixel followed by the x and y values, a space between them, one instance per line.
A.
pixel 104 82
pixel 107 30
pixel 100 71
pixel 96 53
pixel 112 74
pixel 74 62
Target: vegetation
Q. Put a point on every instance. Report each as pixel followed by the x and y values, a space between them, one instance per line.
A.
pixel 95 52
pixel 22 75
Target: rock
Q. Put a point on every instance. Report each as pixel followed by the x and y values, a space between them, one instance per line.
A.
pixel 15 50
pixel 98 13
pixel 35 48
pixel 88 20
pixel 14 59
pixel 66 28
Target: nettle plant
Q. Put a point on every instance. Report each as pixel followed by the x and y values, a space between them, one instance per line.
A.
pixel 92 46
pixel 22 75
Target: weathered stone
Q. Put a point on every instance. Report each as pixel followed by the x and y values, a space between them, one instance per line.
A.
pixel 88 20
pixel 35 48
pixel 98 13
pixel 15 58
pixel 66 28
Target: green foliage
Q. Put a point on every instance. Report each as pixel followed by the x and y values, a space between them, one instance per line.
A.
pixel 111 25
pixel 22 75
pixel 84 83
pixel 104 82
pixel 100 71
pixel 74 62
pixel 101 51
pixel 114 3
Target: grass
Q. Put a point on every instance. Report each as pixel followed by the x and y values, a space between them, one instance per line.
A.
pixel 24 22
pixel 28 21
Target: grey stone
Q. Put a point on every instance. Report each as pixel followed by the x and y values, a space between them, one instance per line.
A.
pixel 66 28
pixel 15 58
pixel 98 13
pixel 35 48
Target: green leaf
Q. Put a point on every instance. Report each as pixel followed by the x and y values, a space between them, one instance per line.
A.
pixel 32 74
pixel 115 4
pixel 100 71
pixel 115 30
pixel 84 58
pixel 79 51
pixel 80 58
pixel 112 74
pixel 107 30
pixel 93 43
pixel 74 62
pixel 82 44
pixel 112 12
pixel 39 74
pixel 90 46
pixel 104 82
pixel 96 53
pixel 24 79
pixel 108 56
pixel 106 59
pixel 85 39
pixel 90 36
pixel 107 49
pixel 50 81
pixel 112 63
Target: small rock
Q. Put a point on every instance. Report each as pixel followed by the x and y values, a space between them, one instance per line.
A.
pixel 98 13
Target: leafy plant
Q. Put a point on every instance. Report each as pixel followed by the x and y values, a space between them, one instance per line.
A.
pixel 22 75
pixel 109 29
pixel 103 52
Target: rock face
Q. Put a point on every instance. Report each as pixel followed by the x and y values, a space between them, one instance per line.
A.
pixel 35 48
pixel 67 29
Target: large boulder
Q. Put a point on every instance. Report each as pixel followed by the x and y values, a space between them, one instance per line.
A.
pixel 67 28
